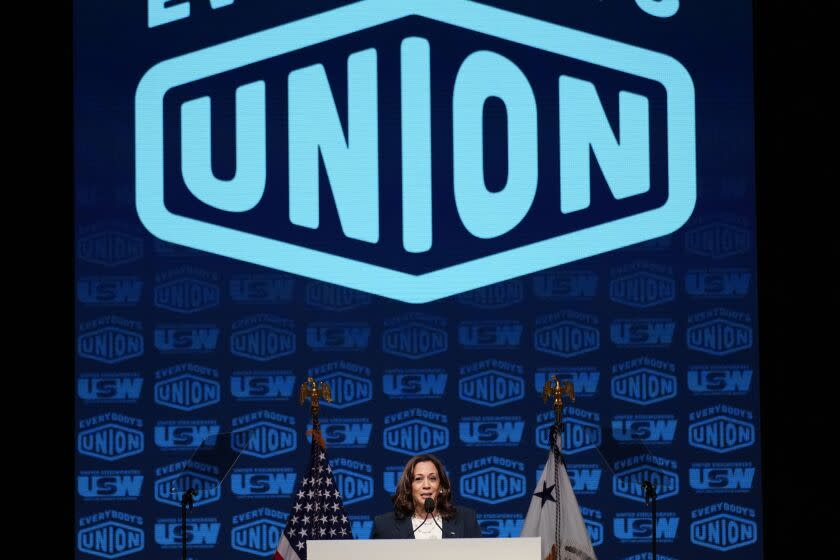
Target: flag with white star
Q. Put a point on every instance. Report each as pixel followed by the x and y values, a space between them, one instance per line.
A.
pixel 564 537
pixel 318 512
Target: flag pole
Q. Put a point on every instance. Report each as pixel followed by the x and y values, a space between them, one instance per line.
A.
pixel 317 490
pixel 556 389
pixel 315 390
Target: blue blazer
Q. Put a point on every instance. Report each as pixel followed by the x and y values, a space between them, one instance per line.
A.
pixel 463 525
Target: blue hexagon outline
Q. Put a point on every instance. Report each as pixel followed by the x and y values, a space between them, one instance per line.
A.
pixel 649 274
pixel 334 374
pixel 715 255
pixel 137 241
pixel 588 522
pixel 497 469
pixel 110 361
pixel 336 308
pixel 443 429
pixel 440 283
pixel 490 372
pixel 641 499
pixel 718 352
pixel 648 370
pixel 192 376
pixel 596 427
pixel 116 555
pixel 416 356
pixel 116 457
pixel 187 311
pixel 728 516
pixel 280 427
pixel 566 450
pixel 567 354
pixel 245 526
pixel 356 475
pixel 722 450
pixel 176 501
pixel 263 326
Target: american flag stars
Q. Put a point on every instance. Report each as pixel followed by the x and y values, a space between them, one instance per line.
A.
pixel 318 508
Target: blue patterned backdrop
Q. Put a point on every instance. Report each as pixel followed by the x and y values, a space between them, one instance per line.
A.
pixel 174 343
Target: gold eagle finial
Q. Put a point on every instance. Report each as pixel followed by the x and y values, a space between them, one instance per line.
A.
pixel 314 390
pixel 556 389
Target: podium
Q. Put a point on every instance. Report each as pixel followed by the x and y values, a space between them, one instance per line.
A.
pixel 439 549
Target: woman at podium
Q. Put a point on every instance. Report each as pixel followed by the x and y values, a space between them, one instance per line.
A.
pixel 423 506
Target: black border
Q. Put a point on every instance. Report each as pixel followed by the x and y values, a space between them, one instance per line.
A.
pixel 796 244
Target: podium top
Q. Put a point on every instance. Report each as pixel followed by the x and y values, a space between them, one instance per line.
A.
pixel 527 548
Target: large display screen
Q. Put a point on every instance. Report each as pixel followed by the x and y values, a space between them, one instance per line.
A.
pixel 435 206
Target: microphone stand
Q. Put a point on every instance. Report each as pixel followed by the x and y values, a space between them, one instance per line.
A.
pixel 421 523
pixel 429 506
pixel 186 502
pixel 650 499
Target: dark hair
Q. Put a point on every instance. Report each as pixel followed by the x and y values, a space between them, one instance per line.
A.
pixel 403 498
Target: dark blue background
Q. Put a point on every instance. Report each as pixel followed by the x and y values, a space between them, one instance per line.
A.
pixel 114 48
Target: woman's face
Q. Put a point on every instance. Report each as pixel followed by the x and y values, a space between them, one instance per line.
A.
pixel 425 483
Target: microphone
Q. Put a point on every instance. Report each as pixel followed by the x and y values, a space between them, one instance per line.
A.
pixel 429 506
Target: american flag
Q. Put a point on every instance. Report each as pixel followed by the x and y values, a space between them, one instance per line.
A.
pixel 318 512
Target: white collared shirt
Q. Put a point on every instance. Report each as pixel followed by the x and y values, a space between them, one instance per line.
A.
pixel 428 530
